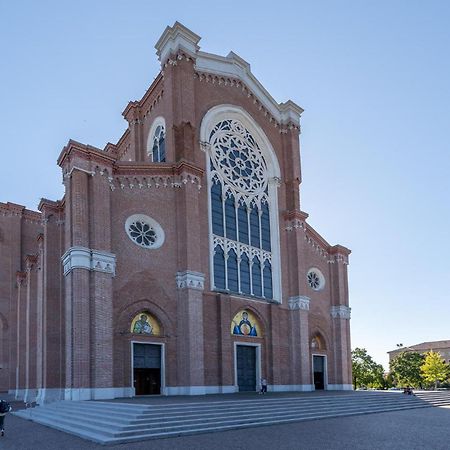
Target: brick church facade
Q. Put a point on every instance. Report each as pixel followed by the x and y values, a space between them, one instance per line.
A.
pixel 179 260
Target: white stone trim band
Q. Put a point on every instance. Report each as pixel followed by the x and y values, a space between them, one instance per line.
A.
pixel 77 394
pixel 340 312
pixel 190 280
pixel 89 259
pixel 340 387
pixel 299 302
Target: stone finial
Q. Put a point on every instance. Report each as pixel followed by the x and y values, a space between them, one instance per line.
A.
pixel 299 302
pixel 175 39
pixel 340 312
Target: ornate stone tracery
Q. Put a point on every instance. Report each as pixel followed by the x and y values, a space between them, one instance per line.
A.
pixel 238 160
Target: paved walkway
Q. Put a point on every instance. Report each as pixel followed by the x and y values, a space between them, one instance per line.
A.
pixel 421 429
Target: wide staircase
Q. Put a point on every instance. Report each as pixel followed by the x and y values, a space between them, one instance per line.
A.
pixel 114 422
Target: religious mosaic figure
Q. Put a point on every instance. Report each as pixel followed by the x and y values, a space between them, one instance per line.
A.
pixel 244 327
pixel 142 326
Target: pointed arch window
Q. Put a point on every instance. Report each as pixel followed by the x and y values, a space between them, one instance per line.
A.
pixel 242 208
pixel 156 146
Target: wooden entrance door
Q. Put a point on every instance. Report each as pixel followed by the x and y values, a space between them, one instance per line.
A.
pixel 147 369
pixel 246 368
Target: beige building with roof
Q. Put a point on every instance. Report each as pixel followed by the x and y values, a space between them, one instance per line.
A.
pixel 442 347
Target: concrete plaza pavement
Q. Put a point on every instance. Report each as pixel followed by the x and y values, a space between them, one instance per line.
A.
pixel 418 429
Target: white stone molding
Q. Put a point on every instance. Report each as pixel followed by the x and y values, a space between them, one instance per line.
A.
pixel 155 181
pixel 233 66
pixel 80 169
pixel 299 302
pixel 340 312
pixel 190 280
pixel 338 258
pixel 295 224
pixel 77 394
pixel 291 387
pixel 340 387
pixel 89 259
pixel 177 42
pixel 175 39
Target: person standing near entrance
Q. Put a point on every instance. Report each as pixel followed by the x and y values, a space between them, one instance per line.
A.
pixel 5 408
pixel 263 386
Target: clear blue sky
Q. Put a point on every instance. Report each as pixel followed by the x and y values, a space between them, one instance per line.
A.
pixel 373 78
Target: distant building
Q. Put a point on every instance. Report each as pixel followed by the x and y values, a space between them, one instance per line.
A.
pixel 178 260
pixel 442 347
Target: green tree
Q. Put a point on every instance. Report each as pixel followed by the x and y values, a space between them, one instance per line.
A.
pixel 405 369
pixel 434 368
pixel 366 372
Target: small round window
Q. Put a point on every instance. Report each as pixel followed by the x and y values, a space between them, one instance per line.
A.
pixel 144 231
pixel 316 280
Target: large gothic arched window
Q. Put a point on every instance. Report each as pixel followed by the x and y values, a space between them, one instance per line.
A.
pixel 243 218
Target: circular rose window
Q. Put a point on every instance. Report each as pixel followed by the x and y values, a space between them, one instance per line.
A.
pixel 236 155
pixel 144 231
pixel 315 278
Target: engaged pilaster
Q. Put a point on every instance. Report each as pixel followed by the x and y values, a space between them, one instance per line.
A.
pixel 299 348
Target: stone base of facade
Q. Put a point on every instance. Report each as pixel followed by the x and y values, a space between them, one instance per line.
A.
pixel 199 390
pixel 290 388
pixel 97 393
pixel 340 387
pixel 49 395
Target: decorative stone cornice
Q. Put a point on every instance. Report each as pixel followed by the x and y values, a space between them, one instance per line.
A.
pixel 178 43
pixel 284 124
pixel 175 39
pixel 14 210
pixel 340 312
pixel 190 280
pixel 85 258
pixel 299 302
pixel 144 176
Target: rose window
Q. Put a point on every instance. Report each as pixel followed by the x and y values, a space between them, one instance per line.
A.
pixel 315 279
pixel 144 231
pixel 237 157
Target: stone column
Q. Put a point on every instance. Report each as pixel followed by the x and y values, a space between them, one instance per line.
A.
pixel 340 313
pixel 78 354
pixel 190 351
pixel 31 330
pixel 40 315
pixel 102 272
pixel 20 335
pixel 226 361
pixel 299 345
pixel 342 351
pixel 51 335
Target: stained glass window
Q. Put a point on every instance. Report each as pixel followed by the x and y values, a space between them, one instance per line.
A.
pixel 240 211
pixel 157 146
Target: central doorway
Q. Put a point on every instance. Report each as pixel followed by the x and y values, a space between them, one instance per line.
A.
pixel 147 369
pixel 319 372
pixel 246 368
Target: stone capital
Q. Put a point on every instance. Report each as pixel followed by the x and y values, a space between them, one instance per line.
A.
pixel 89 259
pixel 299 302
pixel 190 280
pixel 340 312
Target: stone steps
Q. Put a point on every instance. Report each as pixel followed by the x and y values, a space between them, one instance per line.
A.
pixel 111 422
